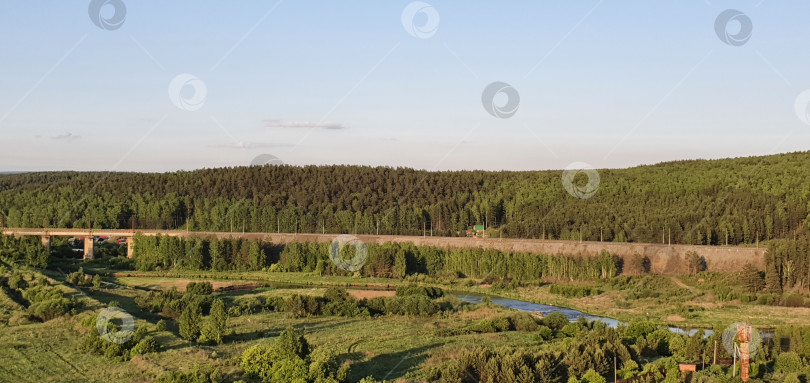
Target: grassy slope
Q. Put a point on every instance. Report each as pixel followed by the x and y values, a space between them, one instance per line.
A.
pixel 387 347
pixel 662 310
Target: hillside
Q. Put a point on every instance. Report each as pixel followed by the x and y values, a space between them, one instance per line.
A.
pixel 738 200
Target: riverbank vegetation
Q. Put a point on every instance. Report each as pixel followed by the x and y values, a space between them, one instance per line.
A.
pixel 318 335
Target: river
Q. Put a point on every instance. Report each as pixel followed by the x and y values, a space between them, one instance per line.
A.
pixel 572 314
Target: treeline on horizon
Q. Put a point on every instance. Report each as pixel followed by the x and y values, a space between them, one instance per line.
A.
pixel 734 201
pixel 389 260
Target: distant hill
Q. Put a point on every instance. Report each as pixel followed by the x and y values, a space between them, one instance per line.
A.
pixel 738 200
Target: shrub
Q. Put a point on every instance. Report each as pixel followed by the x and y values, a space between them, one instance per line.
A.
pixel 592 376
pixel 766 299
pixel 334 294
pixel 147 344
pixel 51 308
pixel 544 333
pixel 430 292
pixel 787 362
pixel 138 343
pixel 199 288
pixel 638 328
pixel 571 329
pixel 302 305
pixel 793 300
pixel 724 293
pixel 17 282
pixel 291 359
pixel 76 278
pixel 96 281
pixel 556 320
pixel 522 321
pixel 574 291
pixel 347 308
pixel 41 293
pixel 640 293
pixel 198 374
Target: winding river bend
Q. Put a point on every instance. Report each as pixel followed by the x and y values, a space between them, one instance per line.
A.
pixel 515 304
pixel 572 314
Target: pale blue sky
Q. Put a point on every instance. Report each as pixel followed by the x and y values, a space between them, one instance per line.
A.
pixel 611 83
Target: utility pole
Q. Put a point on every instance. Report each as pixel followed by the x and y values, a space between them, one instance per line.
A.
pixel 431 228
pixel 670 237
pixel 662 235
pixel 601 238
pixel 715 352
pixel 423 230
pixel 278 225
pixel 378 227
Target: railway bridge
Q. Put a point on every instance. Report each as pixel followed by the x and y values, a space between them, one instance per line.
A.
pixel 664 258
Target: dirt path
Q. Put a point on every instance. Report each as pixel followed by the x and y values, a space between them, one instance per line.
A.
pixel 683 285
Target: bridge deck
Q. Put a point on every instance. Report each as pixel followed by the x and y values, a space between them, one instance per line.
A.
pixel 665 259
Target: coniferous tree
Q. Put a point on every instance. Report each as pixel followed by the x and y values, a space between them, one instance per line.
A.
pixel 752 278
pixel 256 256
pixel 190 321
pixel 215 251
pixel 773 282
pixel 213 327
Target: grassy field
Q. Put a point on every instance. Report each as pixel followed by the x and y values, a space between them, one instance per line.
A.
pixel 382 347
pixel 386 347
pixel 706 310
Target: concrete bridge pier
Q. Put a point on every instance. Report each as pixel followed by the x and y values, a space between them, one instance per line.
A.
pixel 130 246
pixel 88 247
pixel 46 241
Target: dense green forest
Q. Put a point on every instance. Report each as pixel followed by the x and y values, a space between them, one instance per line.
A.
pixel 734 201
pixel 390 260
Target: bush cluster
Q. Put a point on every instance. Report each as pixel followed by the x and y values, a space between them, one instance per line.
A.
pixel 518 321
pixel 574 291
pixel 430 292
pixel 41 300
pixel 172 302
pixel 139 342
pixel 290 358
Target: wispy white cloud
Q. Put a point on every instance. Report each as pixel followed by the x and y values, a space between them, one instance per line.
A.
pixel 65 136
pixel 303 124
pixel 249 145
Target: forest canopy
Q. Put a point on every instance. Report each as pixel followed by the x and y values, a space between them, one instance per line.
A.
pixel 734 201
